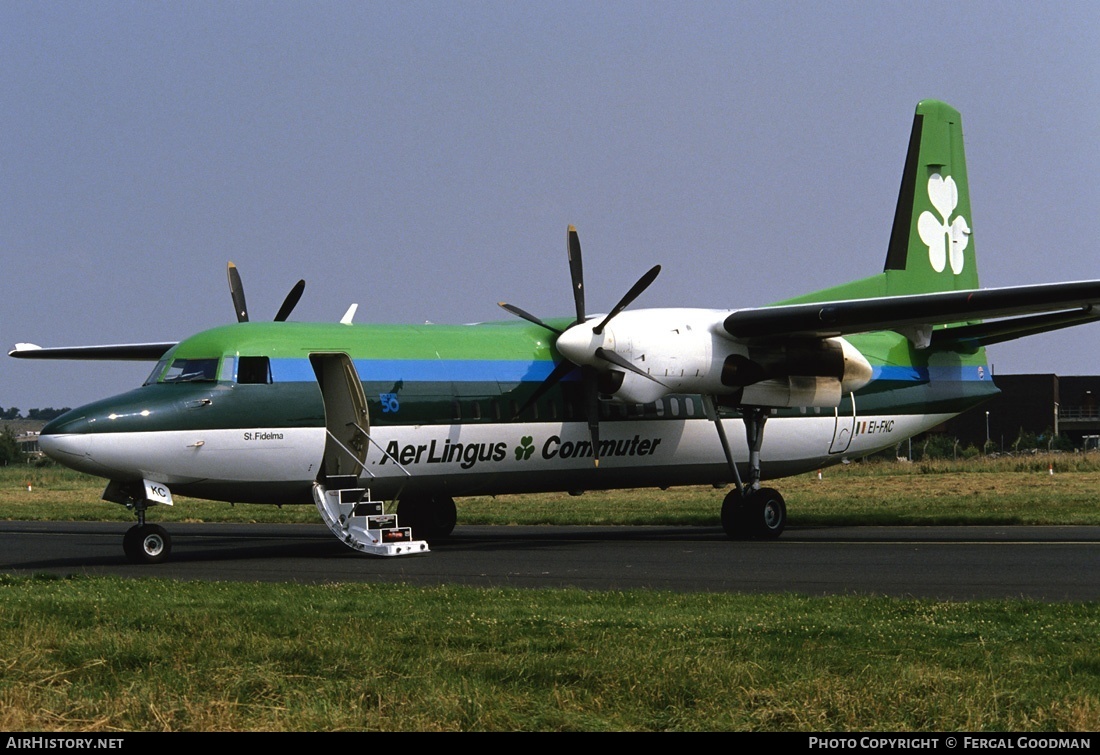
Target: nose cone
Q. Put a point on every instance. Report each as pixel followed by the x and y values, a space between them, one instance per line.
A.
pixel 578 344
pixel 66 440
pixel 72 421
pixel 89 437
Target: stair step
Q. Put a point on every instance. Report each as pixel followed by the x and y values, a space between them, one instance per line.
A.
pixel 363 525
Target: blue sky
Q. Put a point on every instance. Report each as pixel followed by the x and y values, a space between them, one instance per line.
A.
pixel 424 159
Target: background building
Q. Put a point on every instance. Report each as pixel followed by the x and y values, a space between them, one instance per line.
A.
pixel 1041 405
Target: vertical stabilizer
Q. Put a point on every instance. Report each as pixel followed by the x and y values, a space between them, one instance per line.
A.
pixel 931 245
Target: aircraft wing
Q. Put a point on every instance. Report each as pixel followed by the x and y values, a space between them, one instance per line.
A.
pixel 1032 309
pixel 136 352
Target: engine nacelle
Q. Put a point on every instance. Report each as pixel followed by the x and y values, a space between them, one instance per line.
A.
pixel 816 372
pixel 682 353
pixel 794 391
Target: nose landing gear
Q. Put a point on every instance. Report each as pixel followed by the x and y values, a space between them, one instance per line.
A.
pixel 143 543
pixel 147 544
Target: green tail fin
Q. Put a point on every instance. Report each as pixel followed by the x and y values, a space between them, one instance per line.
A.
pixel 931 247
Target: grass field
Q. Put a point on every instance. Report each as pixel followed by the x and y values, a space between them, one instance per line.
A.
pixel 150 655
pixel 103 655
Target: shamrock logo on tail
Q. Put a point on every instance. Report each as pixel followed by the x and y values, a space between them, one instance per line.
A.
pixel 937 233
pixel 525 448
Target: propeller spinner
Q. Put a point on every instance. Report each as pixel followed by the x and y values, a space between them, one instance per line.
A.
pixel 582 345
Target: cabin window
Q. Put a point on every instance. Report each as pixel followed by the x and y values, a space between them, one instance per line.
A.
pixel 191 371
pixel 570 410
pixel 689 406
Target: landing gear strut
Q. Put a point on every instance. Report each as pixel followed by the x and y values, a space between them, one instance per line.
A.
pixel 750 511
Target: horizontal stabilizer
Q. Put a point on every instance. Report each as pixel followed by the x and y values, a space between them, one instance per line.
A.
pixel 123 352
pixel 838 318
pixel 972 337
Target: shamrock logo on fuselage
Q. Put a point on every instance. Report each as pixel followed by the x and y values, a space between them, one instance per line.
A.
pixel 525 448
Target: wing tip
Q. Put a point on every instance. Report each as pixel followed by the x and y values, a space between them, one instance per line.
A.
pixel 21 349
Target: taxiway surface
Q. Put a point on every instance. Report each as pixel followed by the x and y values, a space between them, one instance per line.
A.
pixel 959 563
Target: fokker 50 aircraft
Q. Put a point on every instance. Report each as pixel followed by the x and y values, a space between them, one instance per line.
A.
pixel 341 415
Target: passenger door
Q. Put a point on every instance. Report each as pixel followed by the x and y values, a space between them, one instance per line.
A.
pixel 347 422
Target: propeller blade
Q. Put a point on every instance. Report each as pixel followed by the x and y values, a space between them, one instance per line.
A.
pixel 619 361
pixel 634 292
pixel 589 375
pixel 236 290
pixel 592 409
pixel 562 369
pixel 576 270
pixel 526 316
pixel 290 301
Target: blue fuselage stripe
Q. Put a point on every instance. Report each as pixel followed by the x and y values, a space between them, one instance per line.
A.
pixel 289 370
pixel 910 374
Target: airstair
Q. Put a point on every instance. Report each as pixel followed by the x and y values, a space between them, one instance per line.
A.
pixel 361 523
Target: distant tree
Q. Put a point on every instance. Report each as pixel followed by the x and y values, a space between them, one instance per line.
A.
pixel 938 446
pixel 1027 441
pixel 10 453
pixel 46 414
pixel 12 413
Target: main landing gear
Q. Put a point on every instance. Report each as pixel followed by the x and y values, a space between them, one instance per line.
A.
pixel 750 511
pixel 759 513
pixel 430 517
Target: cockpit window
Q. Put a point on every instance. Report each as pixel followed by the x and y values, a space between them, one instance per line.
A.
pixel 253 370
pixel 191 371
pixel 155 374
